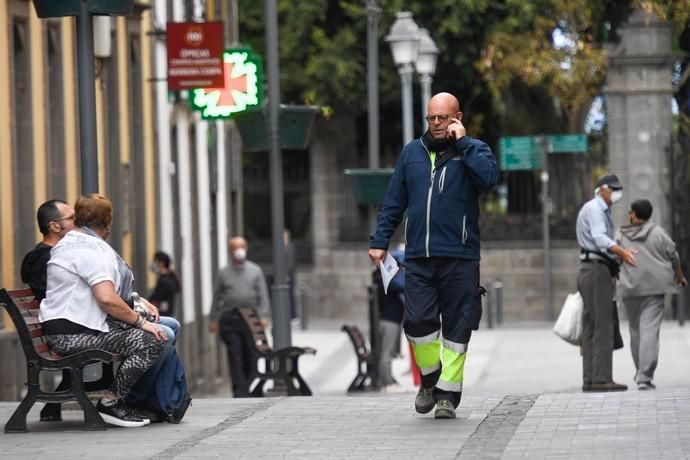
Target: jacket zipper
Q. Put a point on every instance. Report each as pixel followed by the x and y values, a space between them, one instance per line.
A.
pixel 428 211
pixel 428 201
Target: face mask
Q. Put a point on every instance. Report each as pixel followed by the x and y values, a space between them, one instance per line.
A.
pixel 153 267
pixel 239 254
pixel 616 196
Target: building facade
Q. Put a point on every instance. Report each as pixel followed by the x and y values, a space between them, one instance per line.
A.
pixel 167 171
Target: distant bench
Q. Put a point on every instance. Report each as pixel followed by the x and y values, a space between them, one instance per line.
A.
pixel 363 380
pixel 23 309
pixel 278 365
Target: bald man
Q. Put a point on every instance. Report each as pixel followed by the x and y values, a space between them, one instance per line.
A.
pixel 437 181
pixel 239 285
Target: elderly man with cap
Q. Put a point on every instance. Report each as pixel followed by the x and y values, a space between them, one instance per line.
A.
pixel 596 281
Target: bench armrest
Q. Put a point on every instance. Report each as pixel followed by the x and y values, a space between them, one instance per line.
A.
pixel 293 351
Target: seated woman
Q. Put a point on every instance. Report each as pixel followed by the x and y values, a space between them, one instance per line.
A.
pixel 84 307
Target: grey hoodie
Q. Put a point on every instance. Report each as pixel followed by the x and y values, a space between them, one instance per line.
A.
pixel 657 259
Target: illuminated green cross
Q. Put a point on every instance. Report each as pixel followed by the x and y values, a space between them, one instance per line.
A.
pixel 243 88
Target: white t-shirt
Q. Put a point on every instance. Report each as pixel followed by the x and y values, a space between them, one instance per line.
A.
pixel 77 263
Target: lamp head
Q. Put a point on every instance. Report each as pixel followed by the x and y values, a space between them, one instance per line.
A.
pixel 428 53
pixel 404 39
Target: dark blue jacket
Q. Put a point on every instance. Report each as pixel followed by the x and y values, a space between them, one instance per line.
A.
pixel 442 204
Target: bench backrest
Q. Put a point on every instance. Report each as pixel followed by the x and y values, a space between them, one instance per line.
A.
pixel 255 330
pixel 23 308
pixel 358 340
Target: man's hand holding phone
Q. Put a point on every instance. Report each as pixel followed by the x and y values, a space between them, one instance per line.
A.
pixel 456 129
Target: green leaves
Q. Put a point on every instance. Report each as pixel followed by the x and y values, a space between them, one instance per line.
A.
pixel 486 47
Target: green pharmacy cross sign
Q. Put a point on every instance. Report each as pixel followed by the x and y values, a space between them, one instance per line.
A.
pixel 243 87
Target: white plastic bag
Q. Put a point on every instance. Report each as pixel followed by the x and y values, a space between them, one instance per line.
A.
pixel 569 323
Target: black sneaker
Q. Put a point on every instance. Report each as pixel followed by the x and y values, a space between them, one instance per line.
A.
pixel 153 416
pixel 424 401
pixel 117 413
pixel 51 412
pixel 178 414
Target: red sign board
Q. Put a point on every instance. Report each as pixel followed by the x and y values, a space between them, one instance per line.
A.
pixel 195 55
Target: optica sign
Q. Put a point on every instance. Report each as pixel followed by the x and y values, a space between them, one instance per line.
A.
pixel 242 89
pixel 194 55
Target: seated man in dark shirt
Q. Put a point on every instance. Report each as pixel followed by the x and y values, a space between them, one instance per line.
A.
pixel 55 218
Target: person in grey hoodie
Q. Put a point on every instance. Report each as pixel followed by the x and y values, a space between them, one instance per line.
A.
pixel 642 288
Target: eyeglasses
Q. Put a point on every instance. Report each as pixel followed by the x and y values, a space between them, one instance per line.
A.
pixel 71 217
pixel 441 118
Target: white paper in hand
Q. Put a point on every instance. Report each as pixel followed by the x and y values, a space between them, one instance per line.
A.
pixel 389 267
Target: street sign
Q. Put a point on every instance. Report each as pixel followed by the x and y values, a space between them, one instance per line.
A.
pixel 242 89
pixel 194 55
pixel 520 153
pixel 568 143
pixel 524 152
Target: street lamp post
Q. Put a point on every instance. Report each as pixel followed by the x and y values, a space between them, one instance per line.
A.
pixel 280 290
pixel 404 41
pixel 426 68
pixel 373 15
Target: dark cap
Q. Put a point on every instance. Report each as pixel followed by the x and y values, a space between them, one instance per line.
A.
pixel 611 180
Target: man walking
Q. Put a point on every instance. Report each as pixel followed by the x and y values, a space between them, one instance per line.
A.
pixel 239 285
pixel 642 288
pixel 596 280
pixel 437 180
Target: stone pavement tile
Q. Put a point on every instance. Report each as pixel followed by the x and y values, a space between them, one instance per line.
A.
pixel 348 427
pixel 67 439
pixel 606 425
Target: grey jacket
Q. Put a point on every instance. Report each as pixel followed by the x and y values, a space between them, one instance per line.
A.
pixel 240 287
pixel 657 259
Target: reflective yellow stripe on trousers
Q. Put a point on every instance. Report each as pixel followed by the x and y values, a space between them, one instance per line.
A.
pixel 427 352
pixel 453 366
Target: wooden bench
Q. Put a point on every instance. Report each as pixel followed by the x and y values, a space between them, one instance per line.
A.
pixel 280 366
pixel 363 381
pixel 23 309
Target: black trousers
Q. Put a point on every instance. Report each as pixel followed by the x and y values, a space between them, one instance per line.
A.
pixel 239 357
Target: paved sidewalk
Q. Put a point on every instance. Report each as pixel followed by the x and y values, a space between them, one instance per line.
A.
pixel 521 400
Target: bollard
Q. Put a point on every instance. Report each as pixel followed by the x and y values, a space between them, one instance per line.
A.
pixel 497 288
pixel 489 309
pixel 303 307
pixel 681 303
pixel 372 364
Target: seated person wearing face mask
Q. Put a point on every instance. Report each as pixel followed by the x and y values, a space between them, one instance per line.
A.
pixel 241 284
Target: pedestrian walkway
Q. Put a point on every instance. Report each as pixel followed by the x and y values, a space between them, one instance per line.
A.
pixel 522 399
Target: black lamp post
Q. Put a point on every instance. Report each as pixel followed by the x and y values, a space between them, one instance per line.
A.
pixel 280 290
pixel 85 10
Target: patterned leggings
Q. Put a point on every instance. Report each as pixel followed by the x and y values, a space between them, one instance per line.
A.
pixel 140 349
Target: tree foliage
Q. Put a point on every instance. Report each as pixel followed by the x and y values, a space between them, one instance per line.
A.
pixel 518 66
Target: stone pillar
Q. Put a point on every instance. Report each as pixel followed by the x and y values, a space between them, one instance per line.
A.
pixel 638 99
